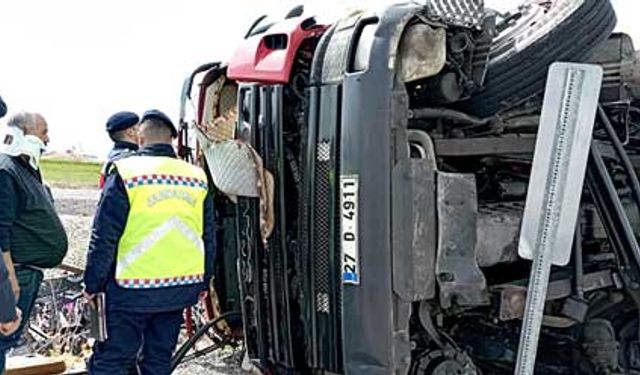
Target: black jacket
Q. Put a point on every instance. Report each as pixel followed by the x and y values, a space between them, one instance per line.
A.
pixel 29 225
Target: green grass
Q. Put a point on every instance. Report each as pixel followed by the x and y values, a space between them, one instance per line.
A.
pixel 71 173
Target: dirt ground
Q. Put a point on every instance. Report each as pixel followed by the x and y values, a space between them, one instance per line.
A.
pixel 76 208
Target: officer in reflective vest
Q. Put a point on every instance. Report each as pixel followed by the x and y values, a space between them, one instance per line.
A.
pixel 123 130
pixel 152 251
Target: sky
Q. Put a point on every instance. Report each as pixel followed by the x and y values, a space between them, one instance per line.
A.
pixel 79 61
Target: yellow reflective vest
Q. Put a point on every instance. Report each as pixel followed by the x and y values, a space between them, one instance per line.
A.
pixel 162 242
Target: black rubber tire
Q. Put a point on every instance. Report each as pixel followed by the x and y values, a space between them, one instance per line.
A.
pixel 524 74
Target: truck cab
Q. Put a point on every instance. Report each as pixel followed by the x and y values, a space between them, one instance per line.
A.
pixel 371 175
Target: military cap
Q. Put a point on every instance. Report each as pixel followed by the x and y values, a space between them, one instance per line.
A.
pixel 159 115
pixel 121 121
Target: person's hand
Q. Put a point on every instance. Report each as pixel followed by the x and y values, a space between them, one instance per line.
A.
pixel 89 299
pixel 10 327
pixel 203 295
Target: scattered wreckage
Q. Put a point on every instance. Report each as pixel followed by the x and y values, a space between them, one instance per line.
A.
pixel 373 176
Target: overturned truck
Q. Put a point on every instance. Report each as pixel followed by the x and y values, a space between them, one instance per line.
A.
pixel 372 175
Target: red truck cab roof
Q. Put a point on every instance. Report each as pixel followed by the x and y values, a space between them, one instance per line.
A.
pixel 269 56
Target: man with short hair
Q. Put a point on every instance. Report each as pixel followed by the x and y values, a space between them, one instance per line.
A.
pixel 10 314
pixel 123 131
pixel 152 251
pixel 31 234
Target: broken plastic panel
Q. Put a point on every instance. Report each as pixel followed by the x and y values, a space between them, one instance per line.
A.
pixel 233 167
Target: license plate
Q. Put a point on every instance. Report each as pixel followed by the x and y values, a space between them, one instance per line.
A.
pixel 349 229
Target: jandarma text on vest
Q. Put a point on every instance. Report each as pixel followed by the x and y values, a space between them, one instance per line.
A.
pixel 164 195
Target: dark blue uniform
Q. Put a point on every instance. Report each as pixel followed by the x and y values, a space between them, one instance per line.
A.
pixel 120 150
pixel 152 314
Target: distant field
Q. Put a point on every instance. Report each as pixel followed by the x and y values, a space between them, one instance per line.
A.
pixel 70 173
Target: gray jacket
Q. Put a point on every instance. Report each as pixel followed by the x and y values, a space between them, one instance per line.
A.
pixel 7 298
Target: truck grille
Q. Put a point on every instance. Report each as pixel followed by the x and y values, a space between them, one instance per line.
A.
pixel 322 229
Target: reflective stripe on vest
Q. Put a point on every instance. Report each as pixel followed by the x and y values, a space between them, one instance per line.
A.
pixel 162 243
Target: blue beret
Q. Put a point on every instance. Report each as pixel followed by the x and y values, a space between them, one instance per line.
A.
pixel 121 121
pixel 159 115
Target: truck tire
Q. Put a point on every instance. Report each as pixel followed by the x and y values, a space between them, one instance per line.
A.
pixel 522 75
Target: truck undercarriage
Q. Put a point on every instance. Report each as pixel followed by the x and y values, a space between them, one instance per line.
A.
pixel 373 175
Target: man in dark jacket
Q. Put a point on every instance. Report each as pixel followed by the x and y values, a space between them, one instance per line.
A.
pixel 31 234
pixel 10 315
pixel 123 131
pixel 152 251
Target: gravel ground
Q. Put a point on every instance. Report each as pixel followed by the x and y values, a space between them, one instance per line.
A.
pixel 79 202
pixel 225 363
pixel 76 208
